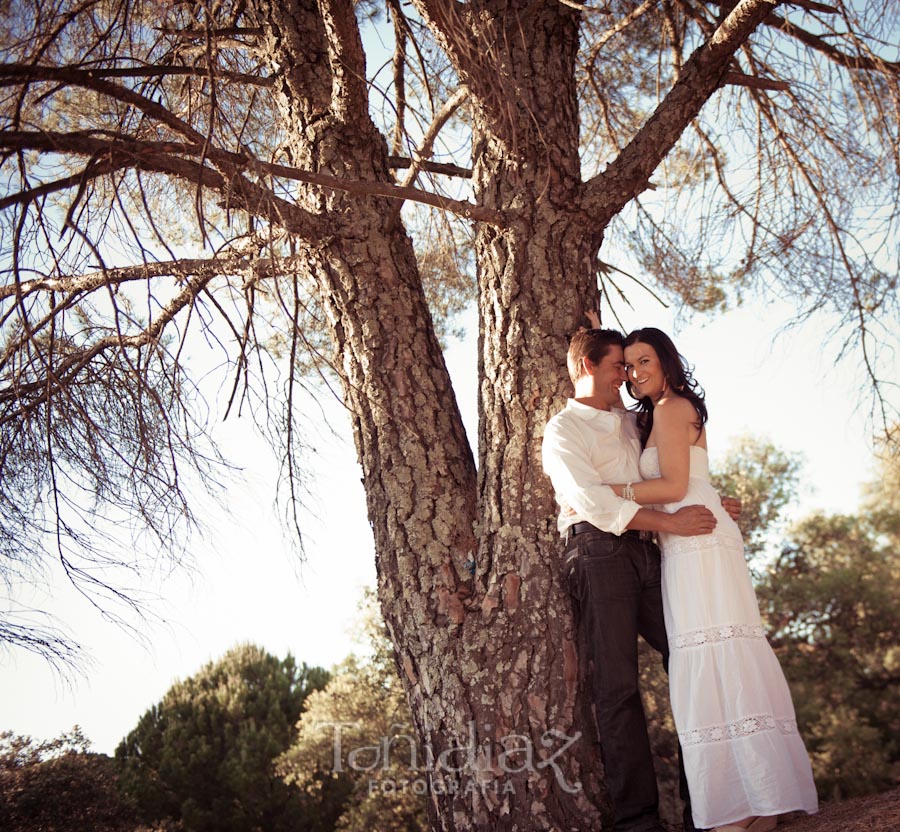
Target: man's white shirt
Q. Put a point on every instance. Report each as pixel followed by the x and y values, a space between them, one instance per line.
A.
pixel 583 449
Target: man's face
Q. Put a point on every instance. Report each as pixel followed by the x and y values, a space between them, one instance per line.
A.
pixel 609 375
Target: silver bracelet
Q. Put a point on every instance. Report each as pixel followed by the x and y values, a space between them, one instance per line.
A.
pixel 628 492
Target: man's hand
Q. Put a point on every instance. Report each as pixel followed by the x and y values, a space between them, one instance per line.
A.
pixel 732 507
pixel 691 521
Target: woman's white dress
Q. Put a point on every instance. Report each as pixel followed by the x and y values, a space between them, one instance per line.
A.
pixel 731 703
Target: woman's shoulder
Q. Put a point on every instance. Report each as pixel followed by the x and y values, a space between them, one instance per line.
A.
pixel 675 408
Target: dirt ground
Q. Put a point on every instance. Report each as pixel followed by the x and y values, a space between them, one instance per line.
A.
pixel 874 813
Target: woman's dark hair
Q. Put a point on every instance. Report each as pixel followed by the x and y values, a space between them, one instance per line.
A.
pixel 677 372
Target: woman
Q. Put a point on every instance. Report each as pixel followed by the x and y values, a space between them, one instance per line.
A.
pixel 745 761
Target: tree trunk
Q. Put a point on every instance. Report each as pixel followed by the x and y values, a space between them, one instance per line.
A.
pixel 468 572
pixel 535 277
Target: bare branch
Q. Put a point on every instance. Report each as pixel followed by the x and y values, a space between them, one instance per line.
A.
pixel 163 157
pixel 628 175
pixel 860 62
pixel 44 641
pixel 202 34
pixel 27 74
pixel 81 284
pixel 741 80
pixel 165 70
pixel 865 338
pixel 812 6
pixel 582 7
pixel 90 172
pixel 431 167
pixel 620 25
pixel 426 146
pixel 29 396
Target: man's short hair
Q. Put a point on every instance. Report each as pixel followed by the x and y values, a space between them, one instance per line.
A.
pixel 593 344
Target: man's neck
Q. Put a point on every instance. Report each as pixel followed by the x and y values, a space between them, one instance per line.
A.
pixel 591 399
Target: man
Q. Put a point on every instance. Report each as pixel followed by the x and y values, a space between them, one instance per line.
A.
pixel 612 566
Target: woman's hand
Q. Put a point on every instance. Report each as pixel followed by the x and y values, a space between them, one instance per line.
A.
pixel 732 507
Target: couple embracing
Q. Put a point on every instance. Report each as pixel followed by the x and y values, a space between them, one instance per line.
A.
pixel 620 476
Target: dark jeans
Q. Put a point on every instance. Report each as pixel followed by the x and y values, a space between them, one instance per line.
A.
pixel 615 586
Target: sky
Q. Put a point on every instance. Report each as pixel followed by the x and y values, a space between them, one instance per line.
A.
pixel 246 584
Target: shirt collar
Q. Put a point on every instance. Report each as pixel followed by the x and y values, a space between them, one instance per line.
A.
pixel 586 412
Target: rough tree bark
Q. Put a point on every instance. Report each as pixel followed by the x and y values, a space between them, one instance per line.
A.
pixel 468 572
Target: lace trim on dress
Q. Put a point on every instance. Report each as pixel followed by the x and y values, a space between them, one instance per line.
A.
pixel 746 727
pixel 675 544
pixel 713 635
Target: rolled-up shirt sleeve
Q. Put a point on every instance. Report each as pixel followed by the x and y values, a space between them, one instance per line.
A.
pixel 567 461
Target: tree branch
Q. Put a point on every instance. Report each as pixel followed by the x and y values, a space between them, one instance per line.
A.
pixel 26 74
pixel 82 284
pixel 431 167
pixel 426 146
pixel 812 6
pixel 77 179
pixel 741 80
pixel 620 26
pixel 202 34
pixel 249 266
pixel 629 174
pixel 163 157
pixel 28 397
pixel 860 62
pixel 161 70
pixel 582 7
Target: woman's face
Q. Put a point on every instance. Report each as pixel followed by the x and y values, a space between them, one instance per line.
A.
pixel 644 371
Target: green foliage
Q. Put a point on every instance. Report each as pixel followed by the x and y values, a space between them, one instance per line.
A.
pixel 58 785
pixel 849 756
pixel 882 496
pixel 764 478
pixel 204 754
pixel 358 731
pixel 18 752
pixel 832 605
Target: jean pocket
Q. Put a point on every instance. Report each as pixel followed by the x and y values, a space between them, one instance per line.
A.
pixel 595 547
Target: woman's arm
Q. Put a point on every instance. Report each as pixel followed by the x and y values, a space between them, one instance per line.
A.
pixel 674 429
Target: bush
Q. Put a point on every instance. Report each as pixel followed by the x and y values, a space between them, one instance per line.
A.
pixel 60 786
